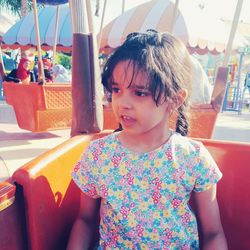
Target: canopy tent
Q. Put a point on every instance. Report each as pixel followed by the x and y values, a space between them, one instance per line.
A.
pixel 191 25
pixel 5 23
pixel 22 34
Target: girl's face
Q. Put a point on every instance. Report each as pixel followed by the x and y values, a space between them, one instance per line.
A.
pixel 132 102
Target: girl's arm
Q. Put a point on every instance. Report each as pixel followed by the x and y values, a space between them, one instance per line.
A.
pixel 86 225
pixel 208 217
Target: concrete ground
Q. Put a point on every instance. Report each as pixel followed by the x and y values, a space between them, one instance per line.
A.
pixel 232 126
pixel 18 146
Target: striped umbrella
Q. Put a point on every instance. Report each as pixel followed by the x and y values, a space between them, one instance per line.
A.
pixel 22 34
pixel 197 30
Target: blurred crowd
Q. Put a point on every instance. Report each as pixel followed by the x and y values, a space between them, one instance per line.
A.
pixel 29 70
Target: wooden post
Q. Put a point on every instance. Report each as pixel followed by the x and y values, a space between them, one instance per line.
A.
pixel 87 113
pixel 56 33
pixel 123 6
pixel 174 15
pixel 102 21
pixel 232 32
pixel 39 51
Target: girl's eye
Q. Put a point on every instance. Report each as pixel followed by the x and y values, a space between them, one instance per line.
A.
pixel 115 90
pixel 141 93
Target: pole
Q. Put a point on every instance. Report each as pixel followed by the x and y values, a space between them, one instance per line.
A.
pixel 102 21
pixel 237 105
pixel 87 109
pixel 89 14
pixel 123 6
pixel 39 51
pixel 56 33
pixel 232 32
pixel 2 68
pixel 174 15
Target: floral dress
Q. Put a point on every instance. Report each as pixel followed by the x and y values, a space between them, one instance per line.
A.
pixel 145 196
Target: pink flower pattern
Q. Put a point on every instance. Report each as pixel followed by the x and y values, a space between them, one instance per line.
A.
pixel 144 205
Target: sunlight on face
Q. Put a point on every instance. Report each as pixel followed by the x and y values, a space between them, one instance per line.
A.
pixel 132 101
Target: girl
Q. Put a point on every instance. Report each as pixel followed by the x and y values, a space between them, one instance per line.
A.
pixel 141 178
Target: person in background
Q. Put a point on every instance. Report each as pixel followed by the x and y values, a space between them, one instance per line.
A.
pixel 60 74
pixel 22 74
pixel 246 88
pixel 47 66
pixel 138 181
pixel 48 76
pixel 47 63
pixel 201 88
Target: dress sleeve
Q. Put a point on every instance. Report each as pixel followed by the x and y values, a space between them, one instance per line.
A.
pixel 206 170
pixel 85 174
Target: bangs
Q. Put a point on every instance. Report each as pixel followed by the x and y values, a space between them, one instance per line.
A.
pixel 131 71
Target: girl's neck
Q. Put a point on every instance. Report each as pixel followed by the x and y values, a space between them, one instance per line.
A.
pixel 144 142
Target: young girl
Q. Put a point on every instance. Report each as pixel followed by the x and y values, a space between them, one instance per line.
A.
pixel 140 180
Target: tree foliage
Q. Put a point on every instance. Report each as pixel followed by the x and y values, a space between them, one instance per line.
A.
pixel 14 6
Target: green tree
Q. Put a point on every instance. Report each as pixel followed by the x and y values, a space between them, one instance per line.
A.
pixel 17 7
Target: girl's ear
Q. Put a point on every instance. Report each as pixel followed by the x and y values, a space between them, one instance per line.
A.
pixel 178 100
pixel 181 97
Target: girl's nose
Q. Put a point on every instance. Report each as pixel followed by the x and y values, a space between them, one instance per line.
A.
pixel 124 100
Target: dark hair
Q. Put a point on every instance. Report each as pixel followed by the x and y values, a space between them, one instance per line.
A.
pixel 48 75
pixel 165 60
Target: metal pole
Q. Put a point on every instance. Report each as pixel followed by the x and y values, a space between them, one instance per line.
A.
pixel 39 51
pixel 90 18
pixel 2 68
pixel 56 33
pixel 123 6
pixel 232 32
pixel 238 82
pixel 102 21
pixel 87 109
pixel 174 15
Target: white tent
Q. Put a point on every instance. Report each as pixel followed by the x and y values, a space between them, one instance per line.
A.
pixel 200 31
pixel 6 21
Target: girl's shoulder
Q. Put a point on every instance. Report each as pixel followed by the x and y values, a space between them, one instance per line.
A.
pixel 186 143
pixel 106 141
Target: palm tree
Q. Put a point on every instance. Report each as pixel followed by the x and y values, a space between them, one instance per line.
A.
pixel 16 7
pixel 24 7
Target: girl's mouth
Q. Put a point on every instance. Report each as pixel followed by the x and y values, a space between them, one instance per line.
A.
pixel 127 121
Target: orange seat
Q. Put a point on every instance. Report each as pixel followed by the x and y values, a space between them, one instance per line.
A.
pixel 40 108
pixel 52 199
pixel 233 190
pixel 12 218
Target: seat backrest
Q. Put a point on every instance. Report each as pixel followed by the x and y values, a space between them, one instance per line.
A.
pixel 219 90
pixel 26 96
pixel 58 96
pixel 233 160
pixel 52 199
pixel 26 100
